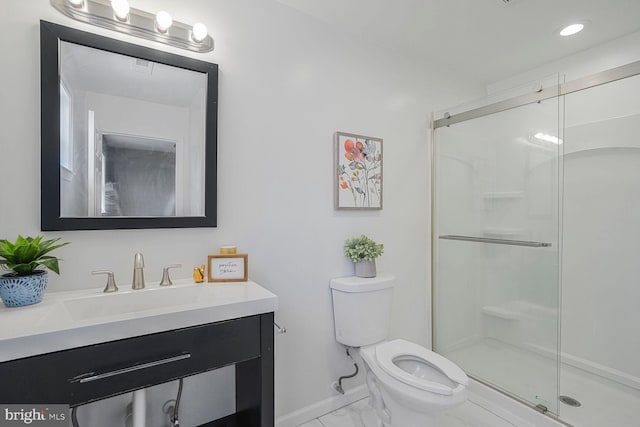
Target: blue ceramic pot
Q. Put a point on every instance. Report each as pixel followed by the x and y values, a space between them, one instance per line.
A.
pixel 18 291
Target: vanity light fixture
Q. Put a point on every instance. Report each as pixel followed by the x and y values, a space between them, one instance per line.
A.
pixel 119 16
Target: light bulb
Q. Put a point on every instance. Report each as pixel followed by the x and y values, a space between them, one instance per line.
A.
pixel 121 9
pixel 76 3
pixel 163 21
pixel 199 32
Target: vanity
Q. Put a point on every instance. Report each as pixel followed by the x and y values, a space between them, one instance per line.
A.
pixel 77 347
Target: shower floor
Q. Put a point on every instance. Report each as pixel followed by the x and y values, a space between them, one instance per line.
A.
pixel 532 376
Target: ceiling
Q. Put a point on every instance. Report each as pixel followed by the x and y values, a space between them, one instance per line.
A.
pixel 93 70
pixel 482 40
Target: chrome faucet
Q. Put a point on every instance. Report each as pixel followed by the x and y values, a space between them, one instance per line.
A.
pixel 138 272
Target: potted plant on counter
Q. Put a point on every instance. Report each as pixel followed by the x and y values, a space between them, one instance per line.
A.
pixel 25 284
pixel 363 252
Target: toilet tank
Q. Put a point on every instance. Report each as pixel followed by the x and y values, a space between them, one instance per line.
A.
pixel 361 309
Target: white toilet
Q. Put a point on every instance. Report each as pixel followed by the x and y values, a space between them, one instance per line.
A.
pixel 409 385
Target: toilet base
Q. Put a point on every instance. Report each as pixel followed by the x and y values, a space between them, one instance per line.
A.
pixel 401 416
pixel 370 419
pixel 384 411
pixel 376 414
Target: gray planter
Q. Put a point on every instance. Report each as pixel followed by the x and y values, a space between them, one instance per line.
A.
pixel 18 291
pixel 366 268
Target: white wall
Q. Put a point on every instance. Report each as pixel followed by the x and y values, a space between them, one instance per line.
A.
pixel 287 83
pixel 601 239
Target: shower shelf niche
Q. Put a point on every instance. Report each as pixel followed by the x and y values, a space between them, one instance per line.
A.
pixel 502 232
pixel 501 312
pixel 503 195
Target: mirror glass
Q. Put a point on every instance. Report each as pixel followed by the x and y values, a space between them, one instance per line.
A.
pixel 133 134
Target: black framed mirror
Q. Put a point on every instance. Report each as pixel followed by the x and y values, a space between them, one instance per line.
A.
pixel 129 135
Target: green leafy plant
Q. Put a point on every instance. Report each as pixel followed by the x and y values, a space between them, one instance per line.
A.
pixel 362 248
pixel 25 254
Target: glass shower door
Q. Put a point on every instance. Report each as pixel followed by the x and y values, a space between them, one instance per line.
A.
pixel 496 249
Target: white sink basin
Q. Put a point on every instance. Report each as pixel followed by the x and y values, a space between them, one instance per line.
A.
pixel 76 318
pixel 138 301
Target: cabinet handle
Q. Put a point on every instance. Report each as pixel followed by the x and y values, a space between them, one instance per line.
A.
pixel 85 379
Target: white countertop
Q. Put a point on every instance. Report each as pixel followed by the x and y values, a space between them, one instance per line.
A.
pixel 70 319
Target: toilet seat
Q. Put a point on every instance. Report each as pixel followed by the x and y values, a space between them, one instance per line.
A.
pixel 388 352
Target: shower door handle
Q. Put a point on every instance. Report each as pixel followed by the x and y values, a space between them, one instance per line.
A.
pixel 496 241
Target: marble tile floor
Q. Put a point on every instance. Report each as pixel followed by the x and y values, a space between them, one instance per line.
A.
pixel 467 415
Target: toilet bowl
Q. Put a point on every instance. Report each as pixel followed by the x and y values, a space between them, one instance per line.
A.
pixel 409 385
pixel 416 384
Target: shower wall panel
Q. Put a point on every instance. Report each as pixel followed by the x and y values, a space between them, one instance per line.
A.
pixel 600 271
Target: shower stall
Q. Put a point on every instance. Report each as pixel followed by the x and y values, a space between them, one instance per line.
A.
pixel 536 246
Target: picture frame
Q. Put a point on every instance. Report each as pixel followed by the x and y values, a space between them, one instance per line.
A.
pixel 358 172
pixel 227 268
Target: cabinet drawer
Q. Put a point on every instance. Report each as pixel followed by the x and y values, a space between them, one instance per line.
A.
pixel 98 371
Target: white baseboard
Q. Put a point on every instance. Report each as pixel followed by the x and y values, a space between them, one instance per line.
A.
pixel 323 407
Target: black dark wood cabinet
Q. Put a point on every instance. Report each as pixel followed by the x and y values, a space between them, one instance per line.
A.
pixel 87 374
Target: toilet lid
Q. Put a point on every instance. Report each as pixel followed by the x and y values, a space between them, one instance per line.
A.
pixel 388 352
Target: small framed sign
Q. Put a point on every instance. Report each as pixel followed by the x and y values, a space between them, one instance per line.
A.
pixel 228 267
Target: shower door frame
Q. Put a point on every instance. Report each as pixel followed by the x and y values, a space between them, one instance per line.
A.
pixel 556 91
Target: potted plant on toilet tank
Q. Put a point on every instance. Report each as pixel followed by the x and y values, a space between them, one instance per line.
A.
pixel 363 252
pixel 26 282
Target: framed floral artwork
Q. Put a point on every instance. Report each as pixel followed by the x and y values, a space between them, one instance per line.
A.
pixel 358 177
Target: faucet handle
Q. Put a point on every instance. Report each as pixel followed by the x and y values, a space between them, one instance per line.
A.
pixel 166 280
pixel 111 281
pixel 138 261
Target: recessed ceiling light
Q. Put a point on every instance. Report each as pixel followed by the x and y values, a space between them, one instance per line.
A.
pixel 546 137
pixel 572 29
